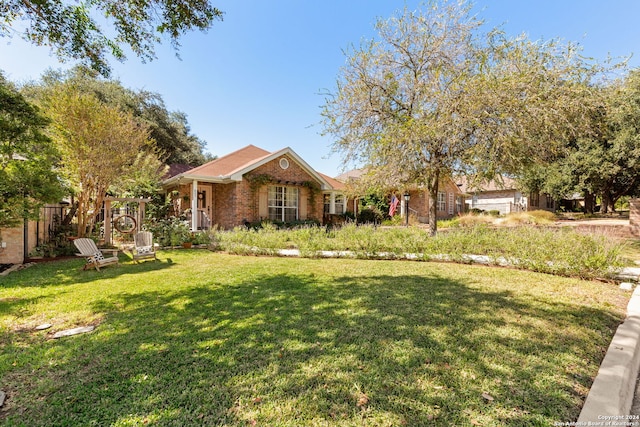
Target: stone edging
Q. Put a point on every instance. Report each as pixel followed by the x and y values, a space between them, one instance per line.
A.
pixel 611 394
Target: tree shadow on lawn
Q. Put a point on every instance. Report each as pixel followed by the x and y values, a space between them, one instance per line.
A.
pixel 70 272
pixel 294 350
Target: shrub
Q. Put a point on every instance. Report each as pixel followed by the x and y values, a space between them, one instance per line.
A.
pixel 171 231
pixel 369 216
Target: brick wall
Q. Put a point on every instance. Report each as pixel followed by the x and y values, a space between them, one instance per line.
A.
pixel 14 252
pixel 224 214
pixel 634 216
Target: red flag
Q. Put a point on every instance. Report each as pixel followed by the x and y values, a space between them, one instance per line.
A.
pixel 394 205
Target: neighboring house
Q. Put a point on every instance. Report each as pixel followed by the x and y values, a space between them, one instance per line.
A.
pixel 503 196
pixel 449 203
pixel 252 185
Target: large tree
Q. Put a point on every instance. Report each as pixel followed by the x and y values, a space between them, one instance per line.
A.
pixel 74 29
pixel 175 143
pixel 27 159
pixel 604 162
pixel 434 95
pixel 98 143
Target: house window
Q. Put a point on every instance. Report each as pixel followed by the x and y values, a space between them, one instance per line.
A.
pixel 535 199
pixel 442 201
pixel 339 203
pixel 283 203
pixel 451 204
pixel 459 204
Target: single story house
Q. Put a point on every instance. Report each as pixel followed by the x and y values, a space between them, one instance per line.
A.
pixel 252 185
pixel 449 203
pixel 503 195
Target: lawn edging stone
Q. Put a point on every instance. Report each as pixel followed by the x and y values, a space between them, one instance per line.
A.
pixel 74 331
pixel 612 391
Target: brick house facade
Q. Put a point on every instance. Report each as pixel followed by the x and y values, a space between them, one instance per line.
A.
pixel 251 185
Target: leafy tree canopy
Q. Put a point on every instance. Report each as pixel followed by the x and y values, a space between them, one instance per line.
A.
pixel 27 159
pixel 604 162
pixel 174 141
pixel 99 146
pixel 433 95
pixel 74 29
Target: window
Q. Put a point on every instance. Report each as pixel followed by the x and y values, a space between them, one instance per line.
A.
pixel 339 203
pixel 283 203
pixel 535 199
pixel 459 204
pixel 451 204
pixel 442 201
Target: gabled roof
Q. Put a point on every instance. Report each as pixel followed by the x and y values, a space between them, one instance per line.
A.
pixel 337 185
pixel 501 183
pixel 231 167
pixel 352 174
pixel 226 165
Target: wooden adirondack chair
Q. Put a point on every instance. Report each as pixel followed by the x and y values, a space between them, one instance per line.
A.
pixel 143 246
pixel 95 257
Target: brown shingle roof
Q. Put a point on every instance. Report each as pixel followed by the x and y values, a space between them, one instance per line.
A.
pixel 500 184
pixel 352 174
pixel 176 169
pixel 226 165
pixel 337 185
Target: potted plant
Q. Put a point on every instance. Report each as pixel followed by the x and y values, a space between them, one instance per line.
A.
pixel 187 241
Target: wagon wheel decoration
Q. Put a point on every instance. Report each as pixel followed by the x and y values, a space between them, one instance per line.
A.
pixel 125 224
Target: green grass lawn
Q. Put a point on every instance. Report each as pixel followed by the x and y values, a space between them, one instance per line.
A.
pixel 203 338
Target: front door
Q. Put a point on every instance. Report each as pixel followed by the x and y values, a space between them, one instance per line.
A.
pixel 204 208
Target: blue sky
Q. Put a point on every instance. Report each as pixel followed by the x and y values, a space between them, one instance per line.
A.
pixel 256 77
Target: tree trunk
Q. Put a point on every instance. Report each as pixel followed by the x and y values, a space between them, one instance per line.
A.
pixel 432 189
pixel 589 202
pixel 606 202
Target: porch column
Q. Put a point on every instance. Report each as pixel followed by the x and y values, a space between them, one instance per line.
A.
pixel 194 205
pixel 402 207
pixel 332 203
pixel 141 208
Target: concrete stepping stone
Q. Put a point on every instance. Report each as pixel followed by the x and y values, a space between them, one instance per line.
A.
pixel 74 331
pixel 2 396
pixel 43 326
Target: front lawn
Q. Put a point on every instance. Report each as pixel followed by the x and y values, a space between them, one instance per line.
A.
pixel 203 338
